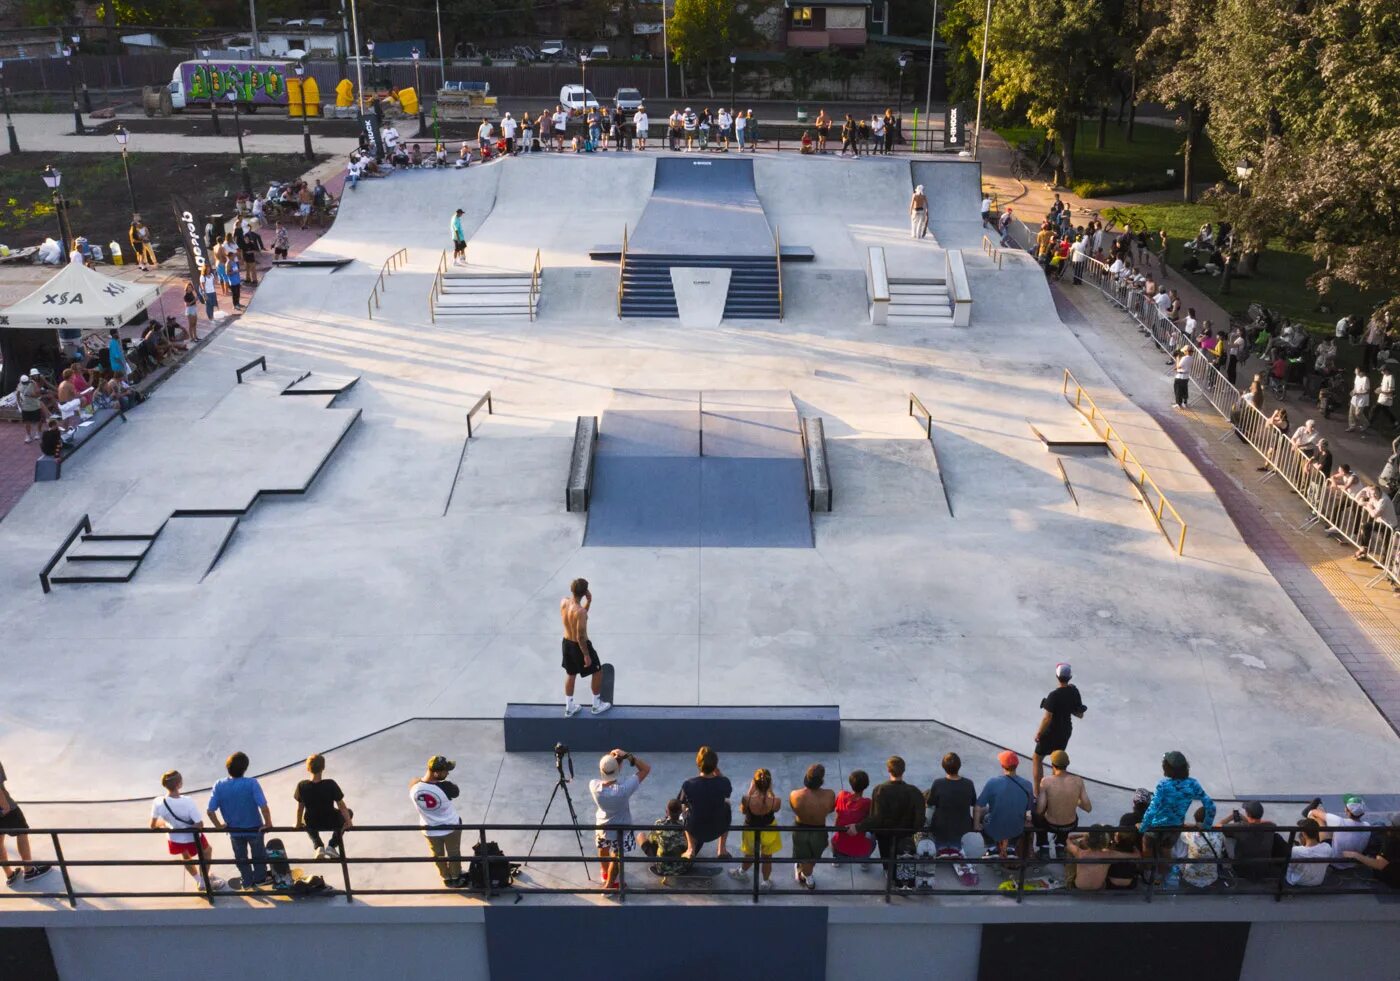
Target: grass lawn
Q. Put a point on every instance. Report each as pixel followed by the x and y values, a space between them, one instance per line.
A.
pixel 1280 282
pixel 1121 167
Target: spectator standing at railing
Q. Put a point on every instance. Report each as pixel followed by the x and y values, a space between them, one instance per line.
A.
pixel 1004 808
pixel 1076 258
pixel 1170 802
pixel 1360 401
pixel 182 816
pixel 1044 243
pixel 811 804
pixel 239 799
pixel 1379 507
pixel 1181 379
pixel 13 825
pixel 759 841
pixel 432 794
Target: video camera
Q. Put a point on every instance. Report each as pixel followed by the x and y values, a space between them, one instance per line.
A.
pixel 561 753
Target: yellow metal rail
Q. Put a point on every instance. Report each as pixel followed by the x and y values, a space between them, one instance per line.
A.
pixel 395 261
pixel 1168 520
pixel 621 271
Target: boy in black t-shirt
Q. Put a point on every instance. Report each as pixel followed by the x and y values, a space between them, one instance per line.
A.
pixel 321 807
pixel 952 798
pixel 1062 706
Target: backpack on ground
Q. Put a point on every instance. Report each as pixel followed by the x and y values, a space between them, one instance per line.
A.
pixel 500 872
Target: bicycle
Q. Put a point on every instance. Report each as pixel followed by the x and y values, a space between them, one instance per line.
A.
pixel 1024 166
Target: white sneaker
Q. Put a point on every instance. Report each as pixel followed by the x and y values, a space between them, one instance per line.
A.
pixel 320 853
pixel 570 709
pixel 330 852
pixel 767 885
pixel 811 880
pixel 738 874
pixel 600 707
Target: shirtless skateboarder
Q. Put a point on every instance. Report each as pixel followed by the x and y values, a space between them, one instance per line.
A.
pixel 579 656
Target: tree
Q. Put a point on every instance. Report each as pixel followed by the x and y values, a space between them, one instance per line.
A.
pixel 1170 57
pixel 702 32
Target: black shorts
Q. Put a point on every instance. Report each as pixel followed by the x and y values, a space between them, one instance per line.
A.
pixel 573 658
pixel 458 245
pixel 29 415
pixel 1049 745
pixel 12 822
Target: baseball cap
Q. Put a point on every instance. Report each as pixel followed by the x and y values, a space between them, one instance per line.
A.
pixel 33 372
pixel 1355 803
pixel 609 766
pixel 1253 809
pixel 1008 759
pixel 441 764
pixel 1062 671
pixel 1059 758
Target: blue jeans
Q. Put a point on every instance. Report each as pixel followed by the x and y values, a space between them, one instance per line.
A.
pixel 256 869
pixel 354 178
pixel 595 134
pixel 211 301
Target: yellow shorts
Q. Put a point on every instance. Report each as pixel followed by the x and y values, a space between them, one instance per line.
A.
pixel 771 842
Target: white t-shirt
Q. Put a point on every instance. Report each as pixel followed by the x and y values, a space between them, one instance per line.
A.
pixel 436 812
pixel 508 128
pixel 561 121
pixel 75 257
pixel 1341 328
pixel 484 131
pixel 1348 841
pixel 986 206
pixel 1183 367
pixel 877 124
pixel 740 122
pixel 1190 326
pixel 1163 301
pixel 641 121
pixel 614 800
pixel 1309 875
pixel 178 812
pixel 391 137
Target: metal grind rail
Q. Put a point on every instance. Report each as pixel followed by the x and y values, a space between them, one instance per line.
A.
pixel 1019 884
pixel 1153 497
pixel 395 261
pixel 916 404
pixel 436 289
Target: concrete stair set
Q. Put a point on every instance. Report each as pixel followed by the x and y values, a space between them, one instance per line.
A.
pixel 922 302
pixel 496 294
pixel 753 285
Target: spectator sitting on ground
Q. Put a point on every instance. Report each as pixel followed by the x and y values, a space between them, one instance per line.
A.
pixel 181 815
pixel 1310 846
pixel 896 812
pixel 1386 865
pixel 415 156
pixel 666 843
pixel 853 807
pixel 807 142
pixel 706 801
pixel 51 439
pixel 1353 812
pixel 1004 808
pixel 1259 849
pixel 1206 847
pixel 1062 796
pixel 1085 848
pixel 1170 800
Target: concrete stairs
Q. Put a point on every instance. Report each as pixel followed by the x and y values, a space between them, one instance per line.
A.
pixel 919 303
pixel 482 294
pixel 753 285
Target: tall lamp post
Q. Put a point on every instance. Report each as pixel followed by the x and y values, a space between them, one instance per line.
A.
pixel 981 81
pixel 300 69
pixel 122 137
pixel 899 100
pixel 583 79
pixel 9 123
pixel 418 90
pixel 238 129
pixel 78 127
pixel 52 179
pixel 209 79
pixel 87 98
pixel 928 95
pixel 1244 170
pixel 442 58
pixel 733 60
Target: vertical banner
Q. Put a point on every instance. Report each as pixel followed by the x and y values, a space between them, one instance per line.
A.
pixel 192 233
pixel 370 128
pixel 378 123
pixel 955 126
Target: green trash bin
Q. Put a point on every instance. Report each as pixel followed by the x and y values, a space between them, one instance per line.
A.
pixel 801 115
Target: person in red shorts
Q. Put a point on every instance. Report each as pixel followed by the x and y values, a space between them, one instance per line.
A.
pixel 185 819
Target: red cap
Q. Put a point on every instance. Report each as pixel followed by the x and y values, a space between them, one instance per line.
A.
pixel 1008 759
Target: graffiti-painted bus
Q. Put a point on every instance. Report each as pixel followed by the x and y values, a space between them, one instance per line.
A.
pixel 256 83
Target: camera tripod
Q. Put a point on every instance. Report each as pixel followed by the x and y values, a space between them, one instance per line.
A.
pixel 560 753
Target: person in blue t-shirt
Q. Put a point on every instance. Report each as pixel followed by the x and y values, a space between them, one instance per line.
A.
pixel 238 805
pixel 1004 807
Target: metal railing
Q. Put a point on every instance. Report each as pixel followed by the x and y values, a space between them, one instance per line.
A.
pixel 83 525
pixel 778 261
pixel 436 289
pixel 535 273
pixel 395 261
pixel 621 271
pixel 915 403
pixel 1337 509
pixel 256 362
pixel 490 411
pixel 1018 884
pixel 1161 509
pixel 992 250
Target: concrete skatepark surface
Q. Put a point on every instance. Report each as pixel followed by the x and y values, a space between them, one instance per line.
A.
pixel 371 599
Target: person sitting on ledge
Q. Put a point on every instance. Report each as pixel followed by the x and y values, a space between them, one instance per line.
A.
pixel 1174 794
pixel 1004 806
pixel 706 802
pixel 1386 865
pixel 1310 846
pixel 807 142
pixel 666 843
pixel 1259 849
pixel 1085 847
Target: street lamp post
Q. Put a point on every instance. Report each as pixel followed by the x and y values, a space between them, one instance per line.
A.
pixel 87 99
pixel 370 45
pixel 305 126
pixel 899 100
pixel 418 90
pixel 981 81
pixel 733 60
pixel 928 95
pixel 238 129
pixel 442 58
pixel 583 79
pixel 52 179
pixel 9 123
pixel 122 137
pixel 78 127
pixel 209 80
pixel 1244 170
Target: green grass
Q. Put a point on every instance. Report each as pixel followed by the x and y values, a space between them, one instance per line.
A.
pixel 1122 167
pixel 1280 282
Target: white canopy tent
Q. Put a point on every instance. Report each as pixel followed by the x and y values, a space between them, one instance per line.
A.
pixel 79 298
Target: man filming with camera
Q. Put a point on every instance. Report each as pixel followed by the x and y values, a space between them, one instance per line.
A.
pixel 612 793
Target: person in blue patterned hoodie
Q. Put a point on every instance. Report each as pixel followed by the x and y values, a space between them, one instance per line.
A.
pixel 1170 803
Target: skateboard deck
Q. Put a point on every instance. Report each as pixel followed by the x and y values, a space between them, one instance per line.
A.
pixel 605 690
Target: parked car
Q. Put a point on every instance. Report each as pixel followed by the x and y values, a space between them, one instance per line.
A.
pixel 599 51
pixel 628 100
pixel 551 49
pixel 575 98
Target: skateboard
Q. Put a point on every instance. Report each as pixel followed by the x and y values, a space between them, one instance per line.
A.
pixel 605 689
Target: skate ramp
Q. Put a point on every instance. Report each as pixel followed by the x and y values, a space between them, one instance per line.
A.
pixel 702 208
pixel 954 189
pixel 692 469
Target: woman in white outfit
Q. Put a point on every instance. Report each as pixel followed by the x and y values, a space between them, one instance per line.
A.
pixel 1360 401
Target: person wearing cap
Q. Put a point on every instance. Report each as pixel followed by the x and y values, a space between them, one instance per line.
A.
pixel 27 398
pixel 612 796
pixel 459 238
pixel 1004 807
pixel 1062 795
pixel 1062 706
pixel 1259 849
pixel 432 794
pixel 1353 812
pixel 1170 802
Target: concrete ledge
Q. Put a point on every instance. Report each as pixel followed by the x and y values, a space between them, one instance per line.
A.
pixel 579 489
pixel 533 728
pixel 958 289
pixel 818 473
pixel 877 283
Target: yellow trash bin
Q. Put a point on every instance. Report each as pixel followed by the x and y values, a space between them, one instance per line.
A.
pixel 117 259
pixel 344 93
pixel 313 97
pixel 294 96
pixel 408 98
